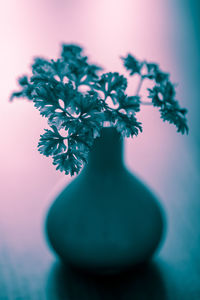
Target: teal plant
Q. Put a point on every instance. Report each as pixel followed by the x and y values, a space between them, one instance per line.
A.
pixel 76 115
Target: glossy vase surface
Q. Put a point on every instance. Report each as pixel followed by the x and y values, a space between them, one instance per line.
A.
pixel 106 219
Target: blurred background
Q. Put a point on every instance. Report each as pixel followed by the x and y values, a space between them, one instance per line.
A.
pixel 167 32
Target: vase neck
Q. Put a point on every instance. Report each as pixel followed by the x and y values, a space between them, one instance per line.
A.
pixel 107 151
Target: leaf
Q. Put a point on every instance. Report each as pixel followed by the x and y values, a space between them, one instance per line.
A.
pixel 79 145
pixel 92 125
pixel 163 97
pixel 71 161
pixel 81 141
pixel 23 81
pixel 42 66
pixel 26 89
pixel 176 116
pixel 47 99
pixel 155 73
pixel 132 64
pixel 78 67
pixel 111 84
pixel 161 94
pixel 67 162
pixel 156 95
pixel 129 103
pixel 88 104
pixel 51 142
pixel 92 72
pixel 70 51
pixel 128 126
pixel 72 125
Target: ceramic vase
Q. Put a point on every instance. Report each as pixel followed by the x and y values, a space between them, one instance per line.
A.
pixel 106 220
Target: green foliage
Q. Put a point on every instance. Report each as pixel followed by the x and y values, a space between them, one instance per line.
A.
pixel 51 142
pixel 132 64
pixel 130 103
pixel 111 84
pixel 162 94
pixel 76 118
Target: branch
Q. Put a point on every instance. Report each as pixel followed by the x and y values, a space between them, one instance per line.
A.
pixel 139 85
pixel 146 103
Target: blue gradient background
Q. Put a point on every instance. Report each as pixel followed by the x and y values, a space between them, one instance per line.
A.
pixel 162 31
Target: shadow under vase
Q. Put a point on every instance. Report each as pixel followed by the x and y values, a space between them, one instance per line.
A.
pixel 142 282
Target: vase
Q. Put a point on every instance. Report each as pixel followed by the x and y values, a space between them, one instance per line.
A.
pixel 106 220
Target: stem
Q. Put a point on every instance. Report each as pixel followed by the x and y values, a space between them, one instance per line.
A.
pixel 106 96
pixel 139 85
pixel 145 103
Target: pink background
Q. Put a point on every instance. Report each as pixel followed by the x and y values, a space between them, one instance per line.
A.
pixel 160 31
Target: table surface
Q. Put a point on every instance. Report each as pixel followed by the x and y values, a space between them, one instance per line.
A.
pixel 169 165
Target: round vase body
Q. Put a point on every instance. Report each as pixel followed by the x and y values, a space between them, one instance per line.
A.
pixel 105 220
